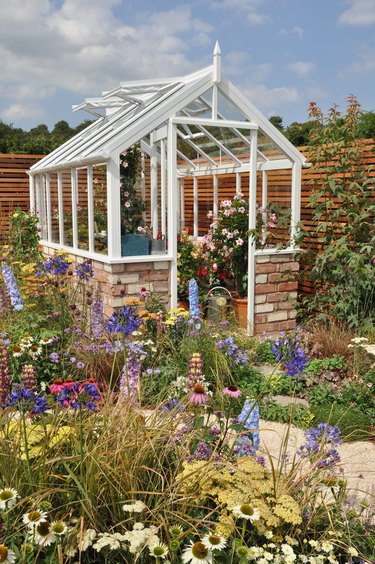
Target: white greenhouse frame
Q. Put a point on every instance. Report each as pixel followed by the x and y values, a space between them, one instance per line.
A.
pixel 156 113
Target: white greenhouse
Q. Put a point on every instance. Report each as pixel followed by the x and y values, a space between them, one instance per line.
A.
pixel 185 131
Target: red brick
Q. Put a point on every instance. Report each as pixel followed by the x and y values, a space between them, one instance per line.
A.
pixel 264 288
pixel 280 258
pixel 138 266
pixel 278 277
pixel 276 297
pixel 292 266
pixel 114 268
pixel 118 290
pixel 260 318
pixel 288 286
pixel 285 305
pixel 161 286
pixel 154 275
pixel 101 276
pixel 264 268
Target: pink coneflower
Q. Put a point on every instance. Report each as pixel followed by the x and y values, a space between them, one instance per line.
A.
pixel 57 386
pixel 232 392
pixel 198 396
pixel 68 384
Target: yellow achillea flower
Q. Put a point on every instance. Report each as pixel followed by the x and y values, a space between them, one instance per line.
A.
pixel 247 481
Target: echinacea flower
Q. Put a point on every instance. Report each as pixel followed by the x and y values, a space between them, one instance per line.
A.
pixel 8 498
pixel 198 395
pixel 6 555
pixel 214 541
pixel 159 550
pixel 58 528
pixel 176 530
pixel 246 511
pixel 57 386
pixel 232 392
pixel 34 517
pixel 42 534
pixel 196 553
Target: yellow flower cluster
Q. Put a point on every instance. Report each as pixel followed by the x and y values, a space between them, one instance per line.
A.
pixel 40 438
pixel 173 314
pixel 246 481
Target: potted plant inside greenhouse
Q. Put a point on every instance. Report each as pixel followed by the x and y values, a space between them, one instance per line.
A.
pixel 134 238
pixel 225 247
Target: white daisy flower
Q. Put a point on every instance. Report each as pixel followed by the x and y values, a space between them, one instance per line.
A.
pixel 59 528
pixel 196 553
pixel 176 530
pixel 8 498
pixel 7 556
pixel 34 517
pixel 159 550
pixel 42 534
pixel 214 541
pixel 246 511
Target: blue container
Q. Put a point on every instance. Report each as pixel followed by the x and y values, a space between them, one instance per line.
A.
pixel 134 244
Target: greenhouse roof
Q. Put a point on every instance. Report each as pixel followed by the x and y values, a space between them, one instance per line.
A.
pixel 133 110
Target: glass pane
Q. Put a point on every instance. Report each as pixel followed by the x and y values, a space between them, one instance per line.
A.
pixel 82 212
pixel 67 207
pixel 54 208
pixel 100 208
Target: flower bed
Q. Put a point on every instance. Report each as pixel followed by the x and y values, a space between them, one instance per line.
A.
pixel 135 438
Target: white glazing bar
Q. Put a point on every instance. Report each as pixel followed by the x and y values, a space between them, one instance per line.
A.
pixel 172 209
pixel 60 204
pixel 113 208
pixel 73 176
pixel 252 225
pixel 154 189
pixel 238 183
pixel 37 196
pixel 182 203
pixel 41 205
pixel 214 102
pixel 32 193
pixel 178 209
pixel 48 207
pixel 143 182
pixel 215 196
pixel 264 204
pixel 90 208
pixel 296 201
pixel 163 187
pixel 195 207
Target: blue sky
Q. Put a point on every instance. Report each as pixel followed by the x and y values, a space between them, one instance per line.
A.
pixel 281 53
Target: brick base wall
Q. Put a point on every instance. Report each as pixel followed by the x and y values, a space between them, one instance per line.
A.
pixel 119 281
pixel 276 283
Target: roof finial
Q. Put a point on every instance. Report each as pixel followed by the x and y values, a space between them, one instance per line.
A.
pixel 217 63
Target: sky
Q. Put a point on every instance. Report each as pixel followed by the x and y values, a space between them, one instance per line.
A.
pixel 281 53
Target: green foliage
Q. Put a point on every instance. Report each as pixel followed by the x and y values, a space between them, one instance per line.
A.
pixel 318 365
pixel 39 140
pixel 343 215
pixel 355 425
pixel 263 353
pixel 24 237
pixel 296 414
pixel 132 206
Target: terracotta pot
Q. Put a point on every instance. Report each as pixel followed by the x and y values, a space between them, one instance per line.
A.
pixel 240 311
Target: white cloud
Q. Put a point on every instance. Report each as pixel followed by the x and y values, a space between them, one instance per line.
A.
pixel 302 68
pixel 365 62
pixel 298 31
pixel 19 111
pixel 80 46
pixel 270 98
pixel 360 12
pixel 251 9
